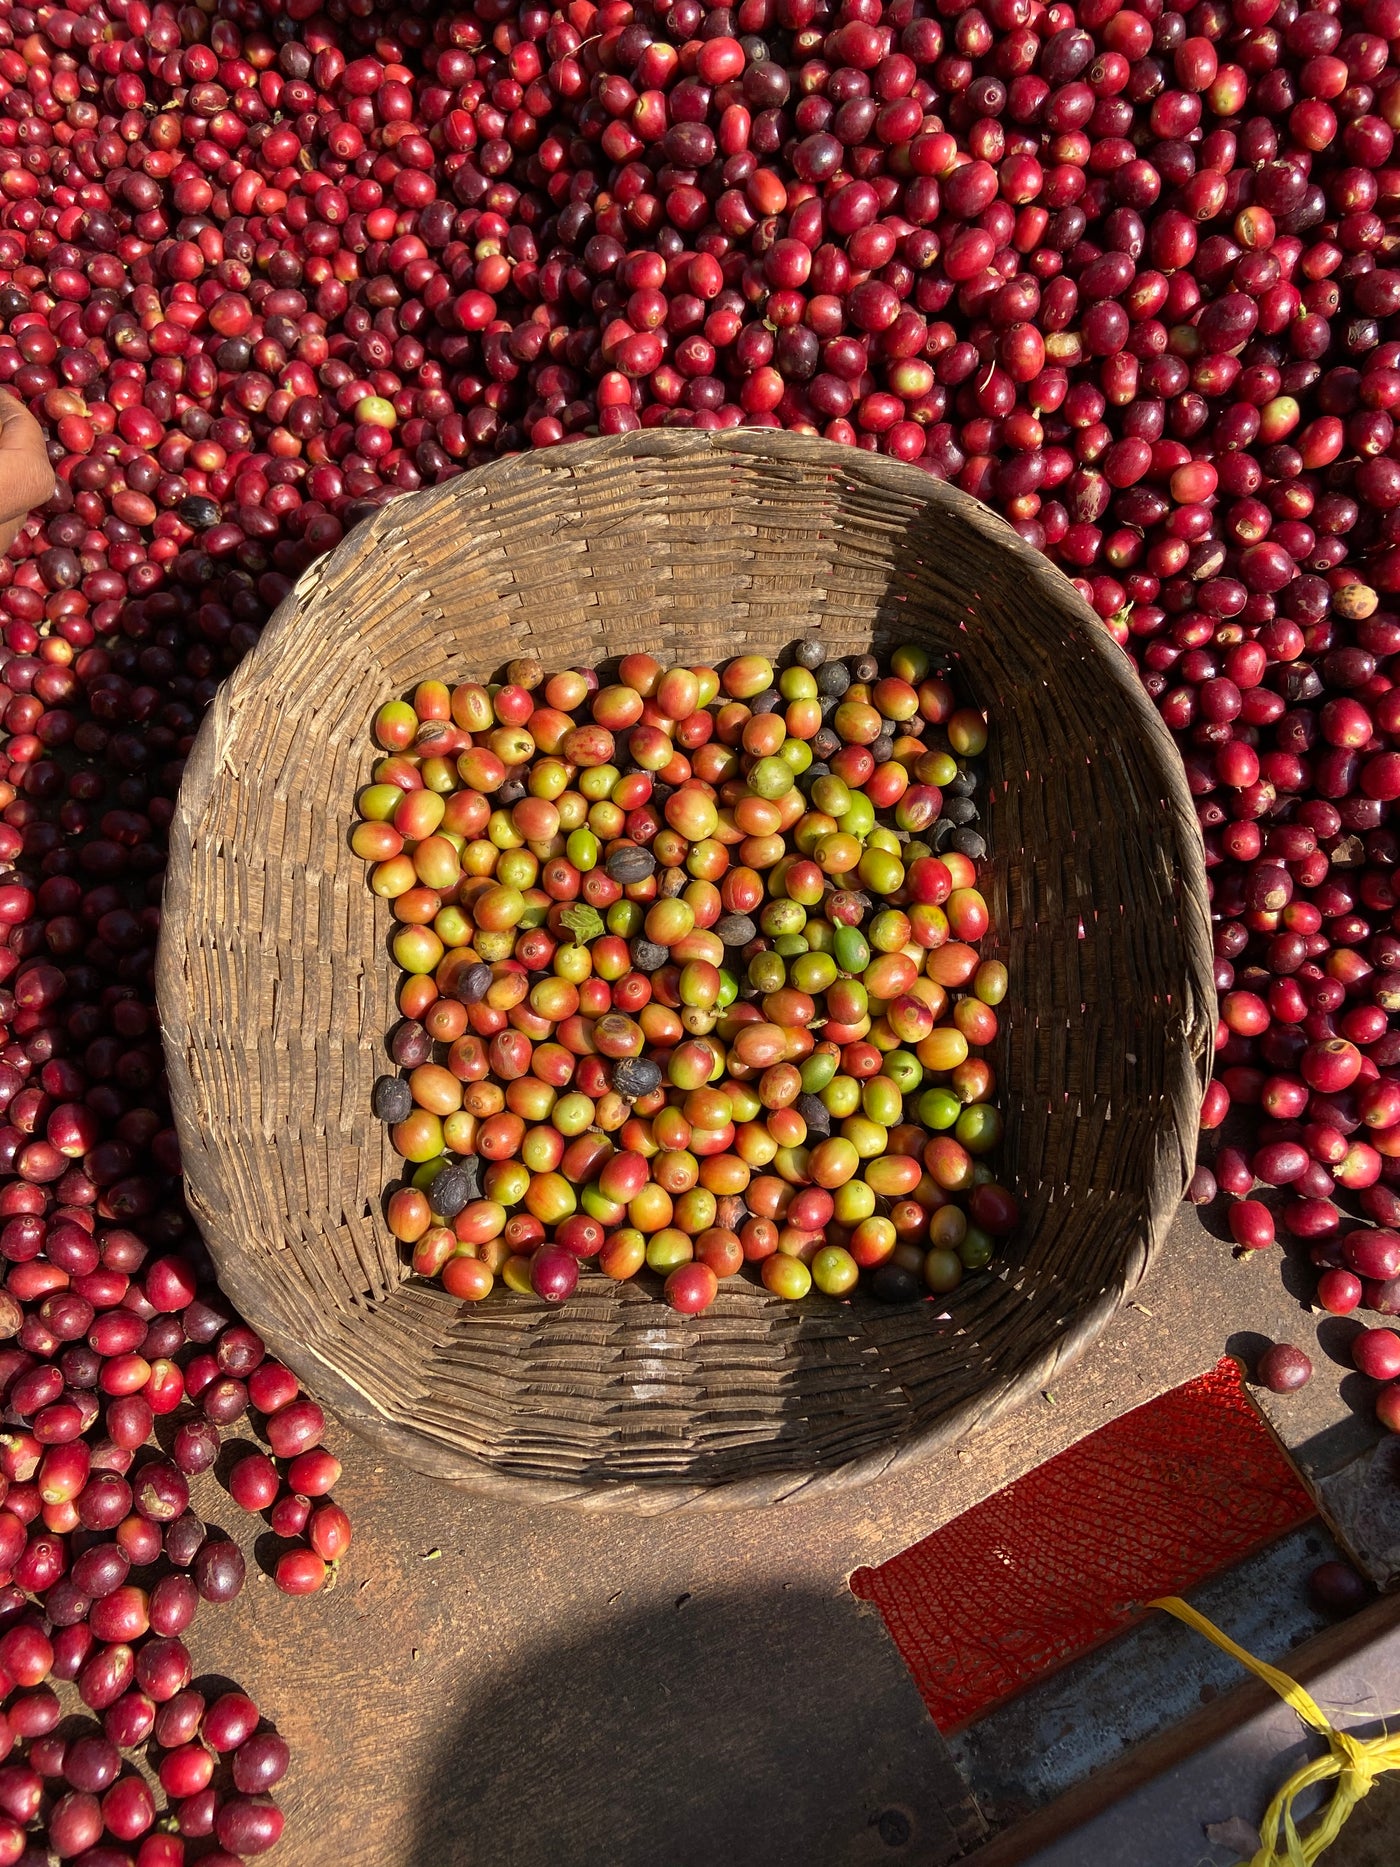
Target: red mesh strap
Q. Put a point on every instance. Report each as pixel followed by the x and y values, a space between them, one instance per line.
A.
pixel 1065 1557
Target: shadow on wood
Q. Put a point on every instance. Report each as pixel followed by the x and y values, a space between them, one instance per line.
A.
pixel 693 1733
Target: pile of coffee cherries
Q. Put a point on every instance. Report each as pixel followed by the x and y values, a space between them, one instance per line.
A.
pixel 1126 272
pixel 692 978
pixel 105 1559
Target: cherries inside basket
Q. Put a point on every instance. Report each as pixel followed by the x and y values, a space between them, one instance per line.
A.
pixel 692 978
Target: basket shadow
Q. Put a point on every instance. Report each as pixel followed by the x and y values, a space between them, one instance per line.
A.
pixel 692 1731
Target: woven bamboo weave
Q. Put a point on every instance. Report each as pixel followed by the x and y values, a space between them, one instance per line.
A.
pixel 276 986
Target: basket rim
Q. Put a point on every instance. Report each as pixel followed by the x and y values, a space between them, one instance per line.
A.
pixel 1191 1050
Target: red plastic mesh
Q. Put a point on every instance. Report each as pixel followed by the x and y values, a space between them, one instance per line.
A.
pixel 1065 1557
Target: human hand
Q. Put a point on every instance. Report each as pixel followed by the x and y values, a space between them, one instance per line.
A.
pixel 26 478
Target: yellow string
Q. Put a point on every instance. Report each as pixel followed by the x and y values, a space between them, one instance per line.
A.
pixel 1356 1762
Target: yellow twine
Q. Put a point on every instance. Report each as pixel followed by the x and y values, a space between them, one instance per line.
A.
pixel 1356 1762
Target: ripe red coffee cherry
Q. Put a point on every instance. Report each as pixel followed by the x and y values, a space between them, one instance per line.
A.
pixel 1251 1224
pixel 1283 1369
pixel 1339 1291
pixel 1376 1352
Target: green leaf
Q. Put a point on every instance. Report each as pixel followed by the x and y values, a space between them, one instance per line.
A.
pixel 583 922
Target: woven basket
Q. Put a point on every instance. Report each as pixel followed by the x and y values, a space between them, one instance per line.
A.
pixel 276 989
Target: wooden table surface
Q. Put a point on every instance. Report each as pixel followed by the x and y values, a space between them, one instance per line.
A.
pixel 490 1684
